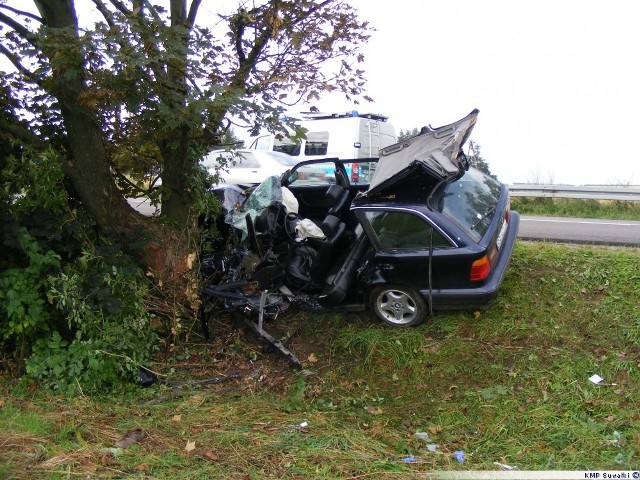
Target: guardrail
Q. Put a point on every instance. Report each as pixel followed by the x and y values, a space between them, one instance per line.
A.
pixel 584 193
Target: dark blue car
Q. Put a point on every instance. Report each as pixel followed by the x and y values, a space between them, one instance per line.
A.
pixel 420 231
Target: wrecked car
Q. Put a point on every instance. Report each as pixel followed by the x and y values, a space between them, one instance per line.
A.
pixel 424 232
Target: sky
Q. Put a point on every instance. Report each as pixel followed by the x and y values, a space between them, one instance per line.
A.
pixel 557 82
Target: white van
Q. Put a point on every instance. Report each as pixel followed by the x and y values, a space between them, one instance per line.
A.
pixel 343 135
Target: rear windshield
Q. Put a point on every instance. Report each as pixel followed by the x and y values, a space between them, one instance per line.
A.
pixel 470 202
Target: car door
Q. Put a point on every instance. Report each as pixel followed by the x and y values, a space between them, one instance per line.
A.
pixel 311 195
pixel 403 240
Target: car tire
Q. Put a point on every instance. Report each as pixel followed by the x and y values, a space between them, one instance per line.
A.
pixel 398 306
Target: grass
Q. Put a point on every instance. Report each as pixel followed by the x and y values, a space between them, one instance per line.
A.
pixel 509 385
pixel 568 207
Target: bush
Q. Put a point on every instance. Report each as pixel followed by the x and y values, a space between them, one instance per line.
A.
pixel 73 303
pixel 109 332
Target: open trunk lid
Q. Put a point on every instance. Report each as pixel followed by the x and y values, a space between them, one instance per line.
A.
pixel 435 152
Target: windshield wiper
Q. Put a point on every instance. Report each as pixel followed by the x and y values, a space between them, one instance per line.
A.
pixel 483 217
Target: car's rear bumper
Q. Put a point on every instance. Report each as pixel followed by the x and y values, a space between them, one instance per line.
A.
pixel 484 295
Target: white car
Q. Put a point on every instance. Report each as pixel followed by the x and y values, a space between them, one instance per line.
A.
pixel 253 166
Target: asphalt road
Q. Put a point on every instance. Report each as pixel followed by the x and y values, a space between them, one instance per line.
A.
pixel 556 229
pixel 580 230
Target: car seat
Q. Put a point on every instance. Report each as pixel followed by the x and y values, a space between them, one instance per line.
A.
pixel 337 197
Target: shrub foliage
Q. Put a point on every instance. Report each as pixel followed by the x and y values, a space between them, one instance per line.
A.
pixel 72 303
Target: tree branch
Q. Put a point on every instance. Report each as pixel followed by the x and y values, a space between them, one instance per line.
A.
pixel 23 13
pixel 106 13
pixel 18 27
pixel 193 12
pixel 152 11
pixel 24 134
pixel 121 7
pixel 13 58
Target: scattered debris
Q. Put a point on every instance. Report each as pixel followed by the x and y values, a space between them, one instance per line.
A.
pixel 424 436
pixel 504 466
pixel 130 437
pixel 616 439
pixel 432 447
pixel 596 379
pixel 410 459
pixel 459 456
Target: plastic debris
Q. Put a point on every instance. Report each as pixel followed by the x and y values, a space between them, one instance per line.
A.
pixel 303 425
pixel 617 439
pixel 459 455
pixel 432 447
pixel 410 459
pixel 596 379
pixel 424 436
pixel 504 466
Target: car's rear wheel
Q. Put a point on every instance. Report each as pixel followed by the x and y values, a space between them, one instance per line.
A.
pixel 398 306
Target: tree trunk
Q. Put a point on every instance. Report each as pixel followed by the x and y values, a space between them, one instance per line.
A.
pixel 87 163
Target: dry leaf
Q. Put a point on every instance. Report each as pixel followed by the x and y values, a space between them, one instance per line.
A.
pixel 190 447
pixel 476 314
pixel 610 418
pixel 375 410
pixel 209 455
pixel 312 358
pixel 143 467
pixel 177 418
pixel 434 429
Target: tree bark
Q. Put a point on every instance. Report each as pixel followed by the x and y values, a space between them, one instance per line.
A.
pixel 87 162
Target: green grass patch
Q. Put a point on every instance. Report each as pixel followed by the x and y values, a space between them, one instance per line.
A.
pixel 576 208
pixel 508 384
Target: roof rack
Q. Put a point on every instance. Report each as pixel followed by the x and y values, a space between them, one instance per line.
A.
pixel 354 113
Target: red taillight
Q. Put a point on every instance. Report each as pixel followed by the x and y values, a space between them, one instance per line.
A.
pixel 355 172
pixel 480 269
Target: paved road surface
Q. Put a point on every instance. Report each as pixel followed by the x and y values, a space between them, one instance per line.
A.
pixel 571 230
pixel 580 230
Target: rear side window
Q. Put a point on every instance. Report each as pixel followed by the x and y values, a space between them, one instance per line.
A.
pixel 286 145
pixel 317 143
pixel 245 160
pixel 401 230
pixel 470 202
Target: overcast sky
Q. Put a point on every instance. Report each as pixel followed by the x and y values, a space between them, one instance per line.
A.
pixel 556 81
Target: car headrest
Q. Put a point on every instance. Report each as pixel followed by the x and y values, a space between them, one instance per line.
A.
pixel 330 225
pixel 334 192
